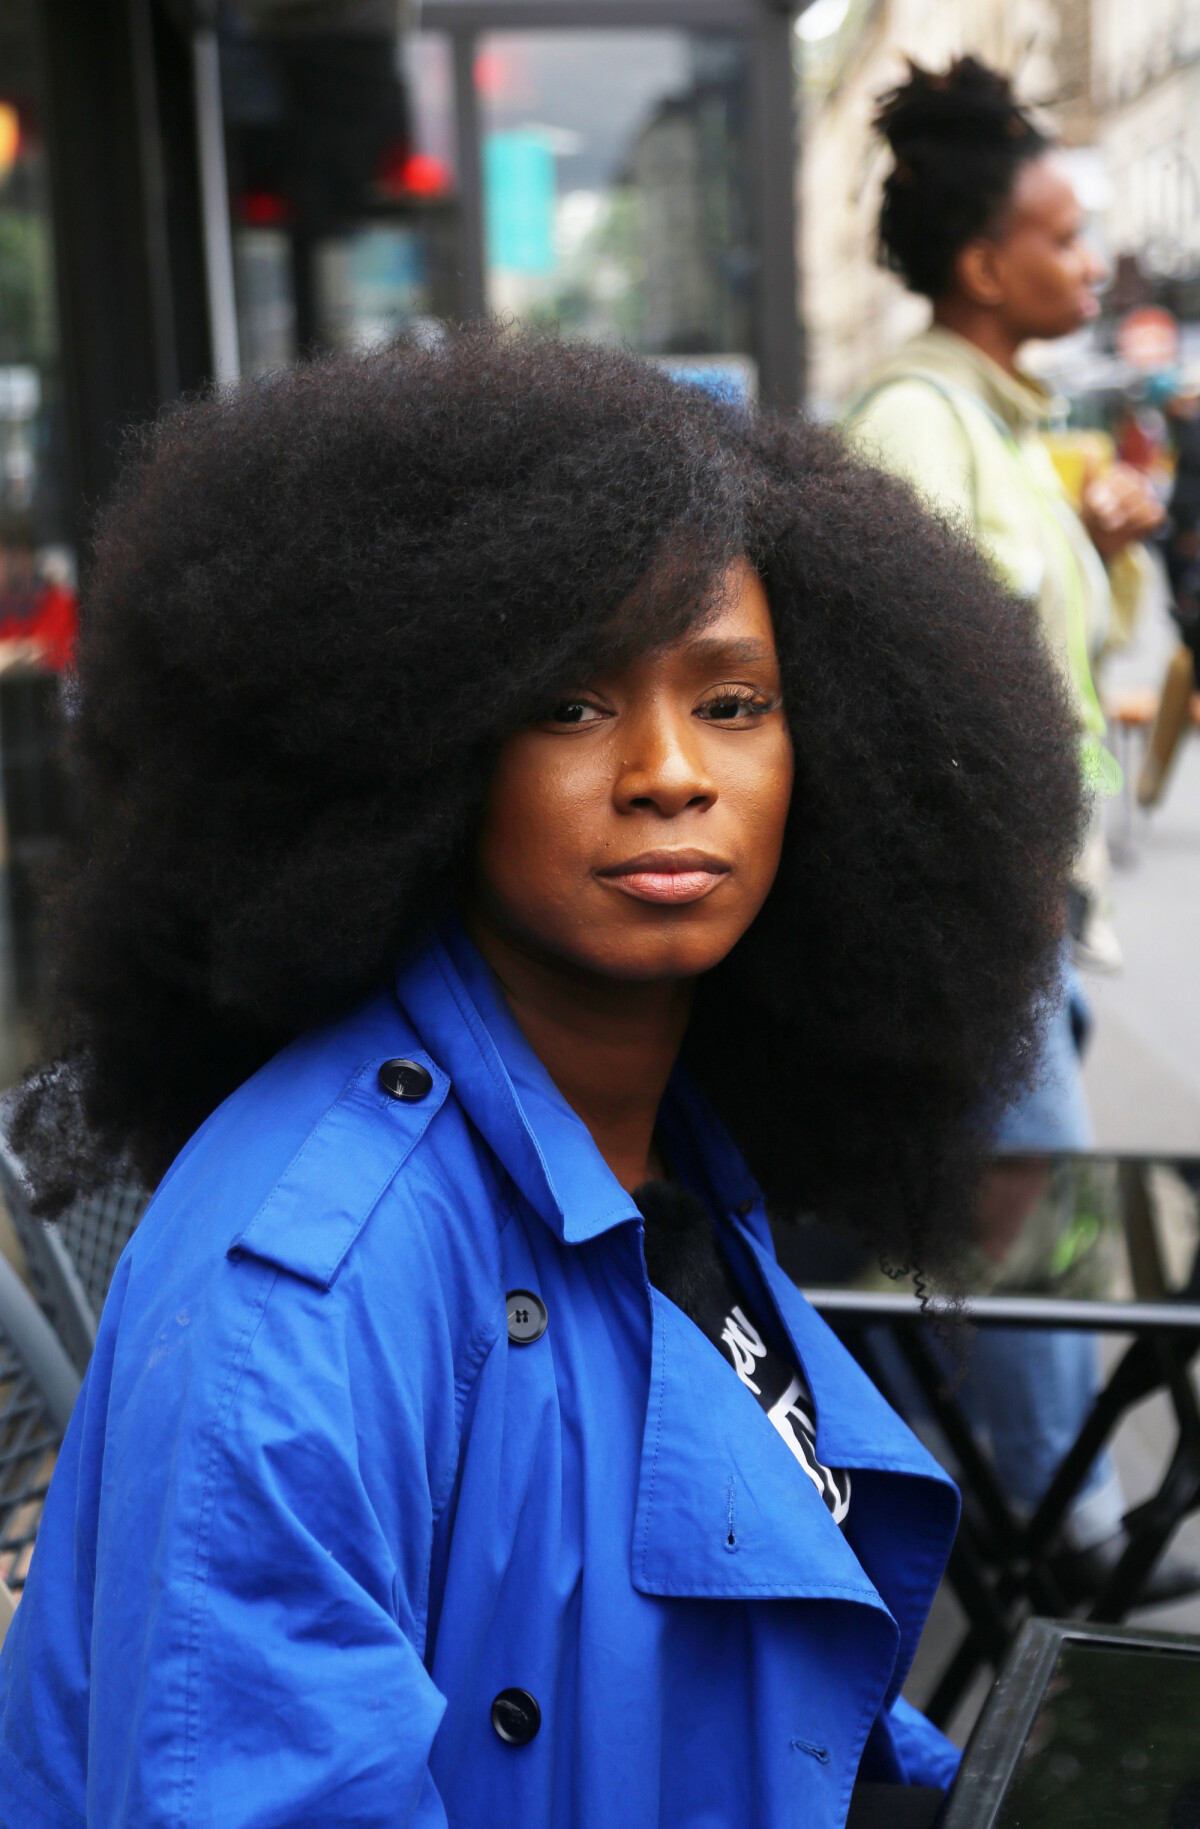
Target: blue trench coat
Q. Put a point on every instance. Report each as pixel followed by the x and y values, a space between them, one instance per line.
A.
pixel 314 1511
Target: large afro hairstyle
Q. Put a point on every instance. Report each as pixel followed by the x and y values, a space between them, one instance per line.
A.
pixel 319 604
pixel 960 138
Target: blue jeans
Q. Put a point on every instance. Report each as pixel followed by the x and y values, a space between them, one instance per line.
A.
pixel 1053 1117
pixel 1028 1390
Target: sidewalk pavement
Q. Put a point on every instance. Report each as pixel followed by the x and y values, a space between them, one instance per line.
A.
pixel 1142 1070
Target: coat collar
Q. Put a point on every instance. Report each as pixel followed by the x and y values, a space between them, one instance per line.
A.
pixel 712 1466
pixel 458 1009
pixel 1019 401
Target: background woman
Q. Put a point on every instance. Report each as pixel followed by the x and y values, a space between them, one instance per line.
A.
pixel 980 218
pixel 486 725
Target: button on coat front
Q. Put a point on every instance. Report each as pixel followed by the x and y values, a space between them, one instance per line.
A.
pixel 527 1317
pixel 317 1514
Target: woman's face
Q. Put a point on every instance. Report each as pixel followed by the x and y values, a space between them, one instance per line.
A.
pixel 636 829
pixel 1040 270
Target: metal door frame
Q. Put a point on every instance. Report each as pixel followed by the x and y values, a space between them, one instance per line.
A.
pixel 772 129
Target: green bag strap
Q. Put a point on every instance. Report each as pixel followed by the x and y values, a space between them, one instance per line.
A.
pixel 1101 771
pixel 947 391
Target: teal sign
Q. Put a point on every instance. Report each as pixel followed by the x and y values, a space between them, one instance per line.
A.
pixel 519 187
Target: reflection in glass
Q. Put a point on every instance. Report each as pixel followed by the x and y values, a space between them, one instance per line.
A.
pixel 615 187
pixel 37 570
pixel 370 284
pixel 1089 1227
pixel 342 171
pixel 266 306
pixel 1115 1741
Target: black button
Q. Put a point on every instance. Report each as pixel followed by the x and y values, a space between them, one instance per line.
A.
pixel 527 1317
pixel 406 1080
pixel 744 1208
pixel 516 1717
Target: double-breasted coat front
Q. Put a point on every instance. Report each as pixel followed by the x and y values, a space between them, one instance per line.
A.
pixel 316 1512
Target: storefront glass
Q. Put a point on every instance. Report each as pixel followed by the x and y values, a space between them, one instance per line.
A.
pixel 343 186
pixel 616 199
pixel 615 190
pixel 37 571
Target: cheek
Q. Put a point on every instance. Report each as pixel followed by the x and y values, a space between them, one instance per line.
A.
pixel 1059 275
pixel 1036 274
pixel 763 798
pixel 531 827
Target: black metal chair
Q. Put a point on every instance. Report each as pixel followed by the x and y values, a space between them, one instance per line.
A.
pixel 38 1388
pixel 1005 1566
pixel 45 1344
pixel 72 1259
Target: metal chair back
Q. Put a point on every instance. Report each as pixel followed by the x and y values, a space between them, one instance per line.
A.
pixel 38 1388
pixel 72 1259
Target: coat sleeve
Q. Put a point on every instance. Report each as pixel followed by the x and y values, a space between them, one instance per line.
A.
pixel 924 1752
pixel 253 1657
pixel 305 1695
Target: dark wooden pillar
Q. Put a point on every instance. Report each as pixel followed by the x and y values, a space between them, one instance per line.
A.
pixel 117 96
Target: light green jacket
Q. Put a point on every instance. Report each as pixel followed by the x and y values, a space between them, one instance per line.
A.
pixel 967 435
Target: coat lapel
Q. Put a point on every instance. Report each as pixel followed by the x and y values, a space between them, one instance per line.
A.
pixel 904 1508
pixel 724 1511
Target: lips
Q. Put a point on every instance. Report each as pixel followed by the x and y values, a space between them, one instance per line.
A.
pixel 667 876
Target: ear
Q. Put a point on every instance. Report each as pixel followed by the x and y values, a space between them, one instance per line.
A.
pixel 977 271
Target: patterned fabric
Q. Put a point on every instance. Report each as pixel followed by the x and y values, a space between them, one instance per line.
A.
pixel 781 1391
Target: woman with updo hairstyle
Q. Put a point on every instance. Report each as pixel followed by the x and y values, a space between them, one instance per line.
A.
pixel 503 887
pixel 980 217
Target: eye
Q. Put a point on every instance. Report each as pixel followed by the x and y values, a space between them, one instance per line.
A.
pixel 571 713
pixel 735 705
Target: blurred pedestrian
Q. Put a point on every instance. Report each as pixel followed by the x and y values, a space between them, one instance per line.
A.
pixel 38 615
pixel 979 217
pixel 1181 547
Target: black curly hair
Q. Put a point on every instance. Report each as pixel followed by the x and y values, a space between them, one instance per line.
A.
pixel 321 602
pixel 960 138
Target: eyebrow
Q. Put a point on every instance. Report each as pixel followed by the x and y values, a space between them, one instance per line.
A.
pixel 745 649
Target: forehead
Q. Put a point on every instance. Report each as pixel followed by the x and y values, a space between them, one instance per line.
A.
pixel 737 629
pixel 739 625
pixel 1044 197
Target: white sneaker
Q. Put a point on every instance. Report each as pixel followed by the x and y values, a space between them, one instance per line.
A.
pixel 1097 949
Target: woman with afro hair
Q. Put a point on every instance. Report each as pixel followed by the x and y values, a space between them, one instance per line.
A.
pixel 503 886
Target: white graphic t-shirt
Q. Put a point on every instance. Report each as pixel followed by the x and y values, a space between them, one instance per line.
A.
pixel 683 1261
pixel 782 1393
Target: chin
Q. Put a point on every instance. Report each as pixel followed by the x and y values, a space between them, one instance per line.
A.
pixel 645 958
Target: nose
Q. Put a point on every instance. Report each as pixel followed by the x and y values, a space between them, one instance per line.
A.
pixel 1097 269
pixel 662 768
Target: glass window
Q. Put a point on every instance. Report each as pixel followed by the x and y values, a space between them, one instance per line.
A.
pixel 615 190
pixel 343 184
pixel 37 568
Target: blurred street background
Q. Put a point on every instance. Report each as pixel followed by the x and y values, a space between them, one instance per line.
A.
pixel 195 191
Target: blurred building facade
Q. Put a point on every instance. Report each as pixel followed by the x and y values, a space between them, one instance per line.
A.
pixel 1118 83
pixel 1146 89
